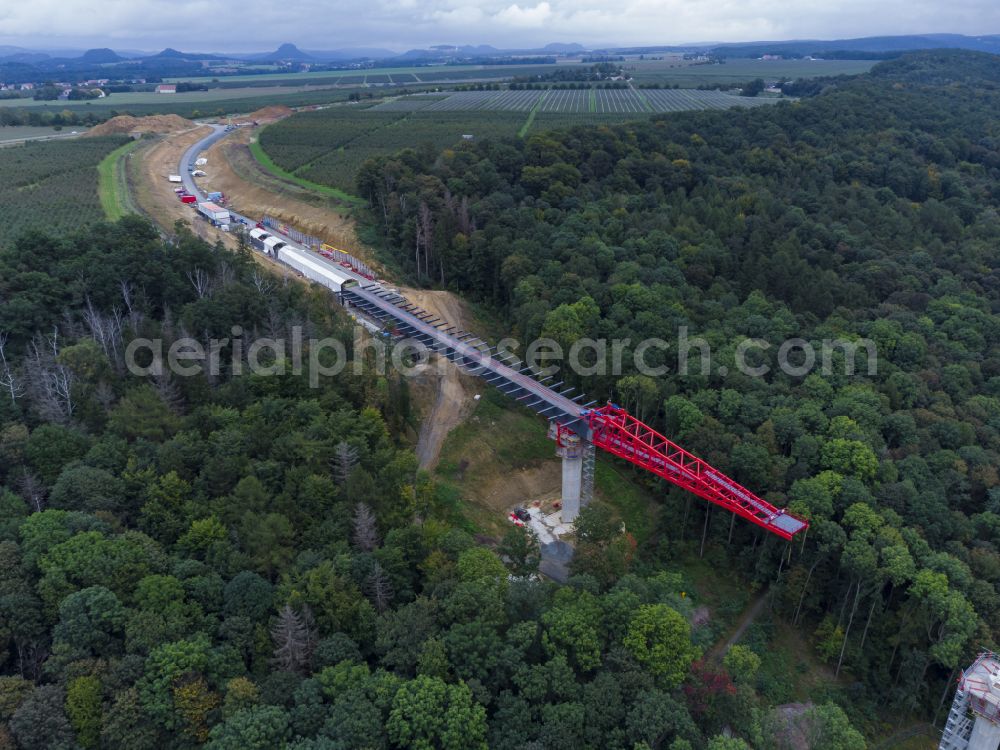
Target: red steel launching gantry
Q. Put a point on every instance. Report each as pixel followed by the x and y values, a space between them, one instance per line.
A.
pixel 615 430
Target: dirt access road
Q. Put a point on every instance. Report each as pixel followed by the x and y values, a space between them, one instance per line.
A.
pixel 453 391
pixel 153 193
pixel 253 192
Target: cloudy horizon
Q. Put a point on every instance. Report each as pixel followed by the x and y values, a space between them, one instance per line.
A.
pixel 195 25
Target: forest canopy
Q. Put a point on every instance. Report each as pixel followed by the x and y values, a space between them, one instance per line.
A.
pixel 868 210
pixel 241 561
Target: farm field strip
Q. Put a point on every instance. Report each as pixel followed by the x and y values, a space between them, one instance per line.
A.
pixel 463 101
pixel 406 104
pixel 565 100
pixel 677 100
pixel 739 70
pixel 123 101
pixel 605 101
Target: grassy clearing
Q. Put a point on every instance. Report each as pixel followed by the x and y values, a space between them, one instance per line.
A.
pixel 112 183
pixel 494 443
pixel 531 116
pixel 265 161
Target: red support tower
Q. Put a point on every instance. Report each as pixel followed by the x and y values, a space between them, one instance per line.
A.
pixel 615 430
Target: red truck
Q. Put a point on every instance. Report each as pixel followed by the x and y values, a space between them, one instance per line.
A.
pixel 188 199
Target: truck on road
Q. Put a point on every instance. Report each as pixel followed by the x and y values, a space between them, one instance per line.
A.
pixel 214 213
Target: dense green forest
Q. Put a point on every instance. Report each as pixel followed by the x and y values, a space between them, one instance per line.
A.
pixel 250 563
pixel 867 210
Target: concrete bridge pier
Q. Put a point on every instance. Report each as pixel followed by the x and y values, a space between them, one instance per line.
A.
pixel 577 475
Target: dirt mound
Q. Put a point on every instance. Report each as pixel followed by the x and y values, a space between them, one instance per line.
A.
pixel 267 114
pixel 151 124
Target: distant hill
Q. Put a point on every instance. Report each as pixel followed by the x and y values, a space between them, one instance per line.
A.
pixel 872 44
pixel 172 54
pixel 169 52
pixel 351 53
pixel 29 58
pixel 564 49
pixel 98 56
pixel 486 50
pixel 286 51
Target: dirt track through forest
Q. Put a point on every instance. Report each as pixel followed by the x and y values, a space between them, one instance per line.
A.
pixel 454 393
pixel 718 651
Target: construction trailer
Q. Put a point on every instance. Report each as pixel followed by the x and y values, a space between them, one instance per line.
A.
pixel 272 245
pixel 214 212
pixel 174 178
pixel 257 237
pixel 974 719
pixel 315 269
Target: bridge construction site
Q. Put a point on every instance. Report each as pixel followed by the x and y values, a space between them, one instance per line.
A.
pixel 577 426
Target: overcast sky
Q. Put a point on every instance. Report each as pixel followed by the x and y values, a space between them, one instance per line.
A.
pixel 259 25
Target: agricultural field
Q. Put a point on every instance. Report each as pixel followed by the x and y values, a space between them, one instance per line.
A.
pixel 598 101
pixel 672 70
pixel 27 132
pixel 213 106
pixel 467 101
pixel 299 140
pixel 409 103
pixel 133 98
pixel 564 100
pixel 418 73
pixel 738 70
pixel 339 167
pixel 52 185
pixel 327 147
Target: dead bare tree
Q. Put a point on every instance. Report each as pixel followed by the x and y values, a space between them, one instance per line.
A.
pixel 201 282
pixel 275 324
pixel 294 641
pixel 105 395
pixel 10 382
pixel 425 220
pixel 128 297
pixel 168 391
pixel 365 528
pixel 378 588
pixel 345 458
pixel 51 381
pixel 33 491
pixel 262 282
pixel 167 325
pixel 107 331
pixel 226 275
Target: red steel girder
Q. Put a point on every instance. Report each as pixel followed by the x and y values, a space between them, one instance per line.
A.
pixel 619 433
